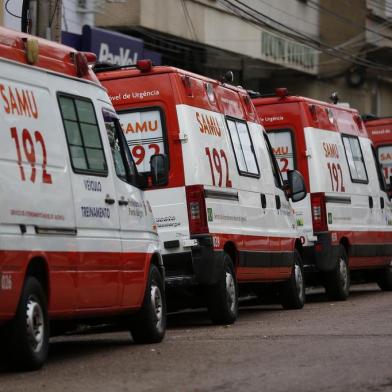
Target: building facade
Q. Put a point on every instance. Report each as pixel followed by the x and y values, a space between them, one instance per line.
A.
pixel 338 48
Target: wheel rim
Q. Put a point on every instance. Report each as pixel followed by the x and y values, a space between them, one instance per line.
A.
pixel 157 304
pixel 299 281
pixel 343 273
pixel 231 291
pixel 35 323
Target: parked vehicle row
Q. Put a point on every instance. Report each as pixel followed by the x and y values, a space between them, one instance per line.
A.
pixel 89 159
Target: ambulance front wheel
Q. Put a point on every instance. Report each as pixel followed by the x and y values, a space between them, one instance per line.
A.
pixel 292 295
pixel 222 298
pixel 337 281
pixel 384 279
pixel 149 324
pixel 27 336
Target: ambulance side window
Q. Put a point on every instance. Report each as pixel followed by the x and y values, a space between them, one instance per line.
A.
pixel 243 148
pixel 355 159
pixel 380 176
pixel 123 162
pixel 274 164
pixel 83 135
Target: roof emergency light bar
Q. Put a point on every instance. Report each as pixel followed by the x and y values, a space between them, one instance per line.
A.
pixel 144 65
pixel 280 92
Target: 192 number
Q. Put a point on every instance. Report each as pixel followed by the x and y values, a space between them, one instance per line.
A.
pixel 215 161
pixel 285 167
pixel 336 175
pixel 29 153
pixel 139 152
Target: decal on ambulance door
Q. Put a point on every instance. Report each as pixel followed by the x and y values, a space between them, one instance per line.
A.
pixel 282 145
pixel 385 159
pixel 143 130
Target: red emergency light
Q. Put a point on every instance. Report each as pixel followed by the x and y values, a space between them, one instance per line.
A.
pixel 81 64
pixel 144 65
pixel 281 92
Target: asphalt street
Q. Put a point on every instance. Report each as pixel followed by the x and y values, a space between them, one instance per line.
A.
pixel 327 346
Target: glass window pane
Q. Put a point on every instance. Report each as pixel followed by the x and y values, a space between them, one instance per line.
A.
pixel 351 164
pixel 91 135
pixel 282 145
pixel 247 148
pixel 73 134
pixel 85 111
pixel 78 158
pixel 67 108
pixel 96 159
pixel 237 146
pixel 361 171
pixel 141 130
pixel 385 159
pixel 355 149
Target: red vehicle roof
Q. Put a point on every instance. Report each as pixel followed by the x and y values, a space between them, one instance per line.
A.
pixel 230 100
pixel 380 130
pixel 314 113
pixel 51 55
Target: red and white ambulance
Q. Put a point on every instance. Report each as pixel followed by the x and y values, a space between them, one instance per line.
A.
pixel 346 218
pixel 380 132
pixel 78 241
pixel 223 216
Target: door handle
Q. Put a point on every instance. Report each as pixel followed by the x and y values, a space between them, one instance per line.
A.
pixel 123 202
pixel 277 200
pixel 263 200
pixel 382 204
pixel 109 200
pixel 370 202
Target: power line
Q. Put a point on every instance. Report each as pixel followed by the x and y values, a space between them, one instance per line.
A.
pixel 303 38
pixel 9 12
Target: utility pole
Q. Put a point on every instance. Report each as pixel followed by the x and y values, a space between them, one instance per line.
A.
pixel 48 18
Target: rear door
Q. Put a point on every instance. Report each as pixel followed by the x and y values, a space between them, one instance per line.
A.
pixel 136 221
pixel 96 209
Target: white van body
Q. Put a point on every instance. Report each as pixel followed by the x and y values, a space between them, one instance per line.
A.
pixel 70 221
pixel 346 218
pixel 224 202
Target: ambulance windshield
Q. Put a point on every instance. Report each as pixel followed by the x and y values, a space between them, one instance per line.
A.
pixel 282 146
pixel 143 130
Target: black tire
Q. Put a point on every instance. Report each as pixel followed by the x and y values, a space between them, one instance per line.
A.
pixel 292 295
pixel 149 324
pixel 337 282
pixel 384 279
pixel 222 298
pixel 27 336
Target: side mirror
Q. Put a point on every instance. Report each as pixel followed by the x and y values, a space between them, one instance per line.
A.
pixel 296 185
pixel 159 169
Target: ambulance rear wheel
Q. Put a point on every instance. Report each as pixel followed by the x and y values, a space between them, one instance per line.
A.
pixel 222 298
pixel 337 282
pixel 28 333
pixel 384 279
pixel 292 295
pixel 149 324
